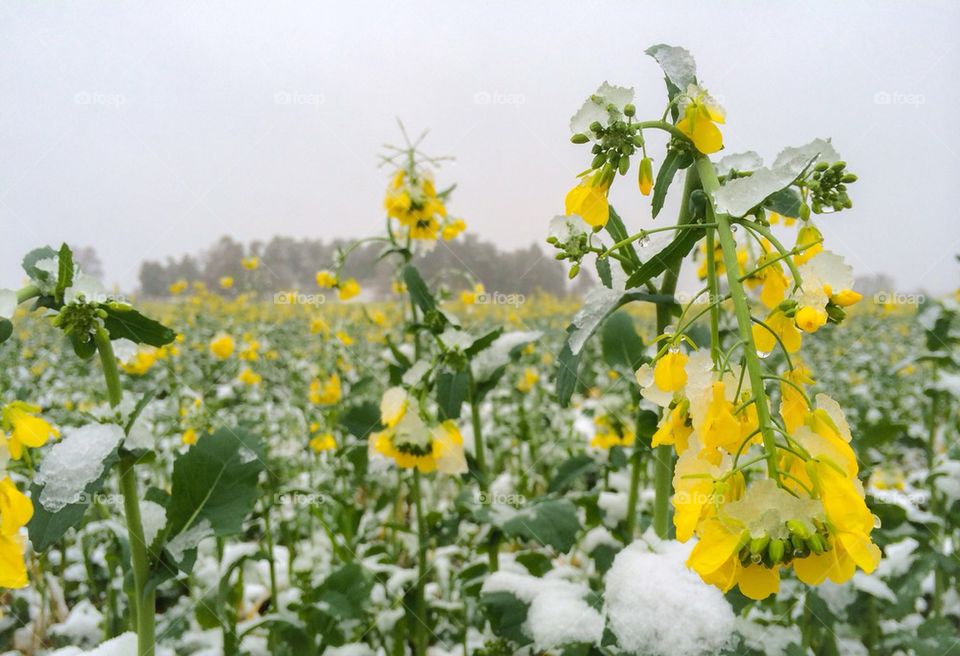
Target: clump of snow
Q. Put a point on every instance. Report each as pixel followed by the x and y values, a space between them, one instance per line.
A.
pixel 897 558
pixel 124 644
pixel 597 537
pixel 82 626
pixel 597 304
pixel 558 614
pixel 189 539
pixel 677 63
pixel 656 605
pixel 75 462
pixel 351 649
pixel 872 585
pixel 498 353
pixel 770 639
pixel 154 517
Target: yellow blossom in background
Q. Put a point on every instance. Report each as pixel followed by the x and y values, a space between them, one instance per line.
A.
pixel 250 263
pixel 249 377
pixel 344 338
pixel 319 325
pixel 226 282
pixel 469 296
pixel 610 433
pixel 324 442
pixel 453 229
pixel 23 428
pixel 141 362
pixel 222 346
pixel 189 436
pixel 326 392
pixel 528 380
pixel 326 279
pixel 348 289
pixel 178 287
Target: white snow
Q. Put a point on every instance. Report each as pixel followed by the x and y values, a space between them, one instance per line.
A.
pixel 124 644
pixel 82 626
pixel 597 304
pixel 74 462
pixel 770 639
pixel 8 303
pixel 656 605
pixel 154 517
pixel 677 64
pixel 498 353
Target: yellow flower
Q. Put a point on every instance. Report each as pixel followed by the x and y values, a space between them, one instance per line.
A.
pixel 720 428
pixel 675 428
pixel 189 436
pixel 447 449
pixel 844 298
pixel 810 319
pixel 611 433
pixel 809 243
pixel 141 362
pixel 327 392
pixel 324 442
pixel 646 176
pixel 348 289
pixel 250 263
pixel 469 297
pixel 793 405
pixel 783 327
pixel 379 318
pixel 528 380
pixel 326 279
pixel 588 200
pixel 344 338
pixel 318 325
pixel 222 346
pixel 453 229
pixel 700 115
pixel 249 377
pixel 669 373
pixel 425 228
pixel 178 287
pixel 26 429
pixel 393 406
pixel 15 511
pixel 226 282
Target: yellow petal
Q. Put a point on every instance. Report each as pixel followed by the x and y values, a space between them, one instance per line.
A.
pixel 758 582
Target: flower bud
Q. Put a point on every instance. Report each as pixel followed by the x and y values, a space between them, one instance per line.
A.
pixel 598 161
pixel 798 528
pixel 646 176
pixel 759 545
pixel 579 138
pixel 629 109
pixel 776 550
pixel 624 165
pixel 574 270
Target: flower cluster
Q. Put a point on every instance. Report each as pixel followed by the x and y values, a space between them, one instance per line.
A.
pixel 412 200
pixel 410 442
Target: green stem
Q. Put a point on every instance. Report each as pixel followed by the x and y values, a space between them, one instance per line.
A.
pixel 663 455
pixel 742 310
pixel 28 292
pixel 714 294
pixel 483 479
pixel 420 635
pixel 143 605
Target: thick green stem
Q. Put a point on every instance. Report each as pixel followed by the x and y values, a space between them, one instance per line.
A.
pixel 714 294
pixel 143 605
pixel 26 293
pixel 663 455
pixel 420 630
pixel 742 310
pixel 483 476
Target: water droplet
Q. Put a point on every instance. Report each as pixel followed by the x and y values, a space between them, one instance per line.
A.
pixel 644 241
pixel 876 522
pixel 734 228
pixel 763 354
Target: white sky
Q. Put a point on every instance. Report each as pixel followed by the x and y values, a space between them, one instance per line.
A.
pixel 151 129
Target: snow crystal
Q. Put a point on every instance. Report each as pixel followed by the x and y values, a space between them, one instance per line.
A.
pixel 747 161
pixel 189 539
pixel 737 197
pixel 558 614
pixel 598 303
pixel 75 462
pixel 677 63
pixel 655 605
pixel 154 517
pixel 498 353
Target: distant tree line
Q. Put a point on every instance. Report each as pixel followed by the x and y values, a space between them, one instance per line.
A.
pixel 289 263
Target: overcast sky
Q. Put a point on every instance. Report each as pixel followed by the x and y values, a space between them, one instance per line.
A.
pixel 150 129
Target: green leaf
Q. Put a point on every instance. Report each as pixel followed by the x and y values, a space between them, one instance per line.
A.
pixel 568 366
pixel 483 342
pixel 123 322
pixel 536 563
pixel 570 471
pixel 6 329
pixel 604 272
pixel 417 288
pixel 46 528
pixel 550 522
pixel 360 420
pixel 618 232
pixel 507 615
pixel 66 270
pixel 345 592
pixel 214 484
pixel 30 263
pixel 668 169
pixel 672 253
pixel 620 343
pixel 451 392
pixel 785 202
